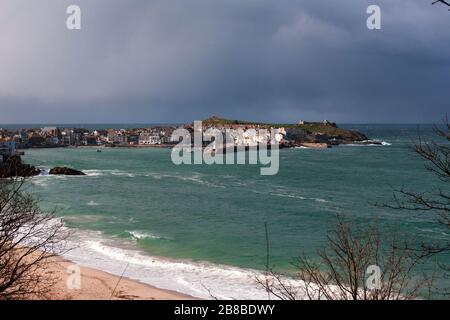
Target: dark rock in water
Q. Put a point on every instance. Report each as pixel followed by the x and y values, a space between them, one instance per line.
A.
pixel 296 134
pixel 23 170
pixel 27 170
pixel 66 171
pixel 13 167
pixel 357 136
pixel 320 133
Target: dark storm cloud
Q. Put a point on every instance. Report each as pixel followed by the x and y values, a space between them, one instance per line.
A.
pixel 179 60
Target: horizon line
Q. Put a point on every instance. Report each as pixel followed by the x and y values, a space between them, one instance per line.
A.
pixel 182 123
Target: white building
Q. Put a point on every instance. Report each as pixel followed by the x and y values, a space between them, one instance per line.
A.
pixel 67 137
pixel 149 139
pixel 114 137
pixel 50 131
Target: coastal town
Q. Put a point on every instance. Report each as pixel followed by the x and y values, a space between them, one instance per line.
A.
pixel 322 134
pixel 48 137
pixel 304 134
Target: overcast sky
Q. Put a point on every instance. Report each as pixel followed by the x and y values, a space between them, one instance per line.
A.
pixel 166 61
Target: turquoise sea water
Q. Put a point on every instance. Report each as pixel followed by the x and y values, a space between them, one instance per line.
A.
pixel 216 214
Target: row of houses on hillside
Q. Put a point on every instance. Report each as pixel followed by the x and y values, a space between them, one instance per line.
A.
pixel 56 137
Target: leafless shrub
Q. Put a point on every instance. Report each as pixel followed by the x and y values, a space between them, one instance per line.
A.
pixel 29 238
pixel 436 202
pixel 340 273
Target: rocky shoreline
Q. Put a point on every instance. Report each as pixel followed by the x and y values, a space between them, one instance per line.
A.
pixel 304 134
pixel 318 135
pixel 66 171
pixel 14 167
pixel 312 135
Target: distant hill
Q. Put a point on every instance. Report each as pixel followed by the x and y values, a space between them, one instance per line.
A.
pixel 329 129
pixel 215 120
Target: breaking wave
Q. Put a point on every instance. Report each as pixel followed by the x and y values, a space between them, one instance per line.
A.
pixel 198 279
pixel 140 235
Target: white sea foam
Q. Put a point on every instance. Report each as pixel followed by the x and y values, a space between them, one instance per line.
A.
pixel 198 180
pixel 285 195
pixel 43 179
pixel 199 279
pixel 192 178
pixel 123 174
pixel 140 235
pixel 92 203
pixel 292 196
pixel 368 144
pixel 44 173
pixel 94 173
pixel 195 178
pixel 39 182
pixel 85 218
pixel 114 172
pixel 435 234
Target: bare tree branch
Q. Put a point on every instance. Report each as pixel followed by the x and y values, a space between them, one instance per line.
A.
pixel 29 238
pixel 340 272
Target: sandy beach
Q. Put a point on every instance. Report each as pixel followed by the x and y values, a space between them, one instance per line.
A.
pixel 99 285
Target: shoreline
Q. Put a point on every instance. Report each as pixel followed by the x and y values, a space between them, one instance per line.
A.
pixel 305 145
pixel 184 279
pixel 97 284
pixel 102 147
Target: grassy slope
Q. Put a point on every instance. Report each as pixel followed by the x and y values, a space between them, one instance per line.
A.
pixel 311 128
